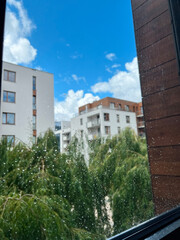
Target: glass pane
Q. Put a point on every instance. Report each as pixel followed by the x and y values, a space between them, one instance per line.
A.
pixel 34 83
pixel 4 96
pixel 10 139
pixel 5 75
pixel 4 118
pixel 10 118
pixel 11 97
pixel 12 76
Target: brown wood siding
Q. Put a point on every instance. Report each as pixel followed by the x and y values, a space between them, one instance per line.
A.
pixel 160 86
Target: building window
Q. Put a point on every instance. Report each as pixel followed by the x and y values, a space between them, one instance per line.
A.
pixel 127 107
pixel 107 130
pixel 9 138
pixel 34 83
pixel 119 130
pixel 34 122
pixel 112 105
pixel 9 76
pixel 133 108
pixel 8 118
pixel 118 119
pixel 81 121
pixel 81 133
pixel 120 107
pixel 9 97
pixel 34 102
pixel 106 116
pixel 34 139
pixel 127 119
pixel 141 109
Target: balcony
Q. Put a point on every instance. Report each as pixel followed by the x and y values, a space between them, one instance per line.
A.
pixel 139 114
pixel 141 124
pixel 66 138
pixel 92 124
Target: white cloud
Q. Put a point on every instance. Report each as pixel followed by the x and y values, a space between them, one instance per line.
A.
pixel 76 55
pixel 116 66
pixel 124 84
pixel 111 56
pixel 77 79
pixel 66 109
pixel 17 47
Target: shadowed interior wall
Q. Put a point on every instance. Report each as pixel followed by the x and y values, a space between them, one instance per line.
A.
pixel 160 85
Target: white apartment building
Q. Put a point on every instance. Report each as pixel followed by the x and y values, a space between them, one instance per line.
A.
pixel 102 122
pixel 98 122
pixel 63 135
pixel 27 103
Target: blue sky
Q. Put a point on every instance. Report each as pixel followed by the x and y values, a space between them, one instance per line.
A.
pixel 89 46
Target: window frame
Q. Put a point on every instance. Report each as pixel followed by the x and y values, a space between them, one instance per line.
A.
pixel 128 119
pixel 7 80
pixel 106 117
pixel 7 117
pixel 6 136
pixel 5 91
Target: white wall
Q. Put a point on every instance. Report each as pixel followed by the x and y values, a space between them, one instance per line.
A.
pixel 23 107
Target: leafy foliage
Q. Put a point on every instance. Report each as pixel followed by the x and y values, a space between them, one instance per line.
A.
pixel 48 195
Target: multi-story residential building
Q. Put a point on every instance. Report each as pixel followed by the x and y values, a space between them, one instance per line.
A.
pixel 63 135
pixel 27 103
pixel 103 118
pixel 118 105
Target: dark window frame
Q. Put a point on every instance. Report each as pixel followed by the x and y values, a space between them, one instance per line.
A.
pixel 7 96
pixel 9 71
pixel 7 117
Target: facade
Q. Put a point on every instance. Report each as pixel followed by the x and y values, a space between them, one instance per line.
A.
pixel 101 119
pixel 63 135
pixel 119 104
pixel 27 103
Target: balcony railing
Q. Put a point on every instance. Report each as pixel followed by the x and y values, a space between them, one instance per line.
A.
pixel 102 107
pixel 92 124
pixel 141 124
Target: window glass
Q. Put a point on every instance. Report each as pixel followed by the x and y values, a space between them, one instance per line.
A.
pixel 12 76
pixel 5 75
pixel 106 116
pixel 127 119
pixel 34 83
pixel 4 96
pixel 34 102
pixel 34 122
pixel 10 118
pixel 118 119
pixel 11 97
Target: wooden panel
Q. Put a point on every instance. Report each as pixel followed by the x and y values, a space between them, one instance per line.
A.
pixel 167 154
pixel 163 132
pixel 163 196
pixel 160 78
pixel 137 3
pixel 157 54
pixel 168 104
pixel 155 30
pixel 148 11
pixel 170 168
